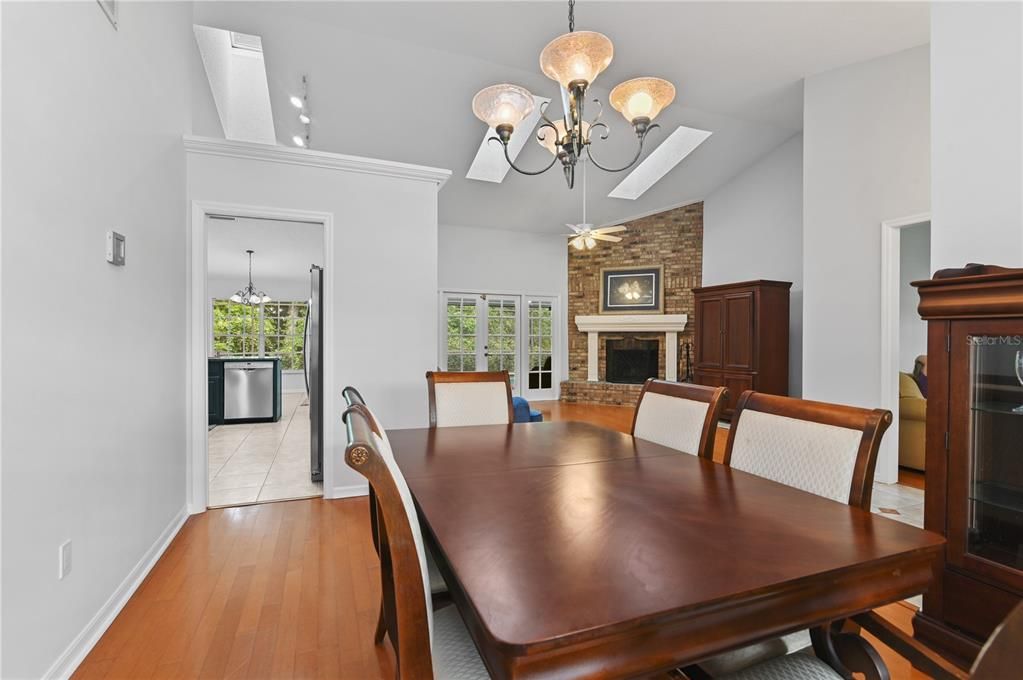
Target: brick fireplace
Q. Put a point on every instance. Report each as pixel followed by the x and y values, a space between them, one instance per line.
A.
pixel 672 239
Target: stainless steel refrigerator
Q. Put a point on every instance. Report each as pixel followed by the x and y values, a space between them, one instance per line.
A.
pixel 313 351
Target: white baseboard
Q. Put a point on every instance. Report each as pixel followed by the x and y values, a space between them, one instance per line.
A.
pixel 350 490
pixel 83 643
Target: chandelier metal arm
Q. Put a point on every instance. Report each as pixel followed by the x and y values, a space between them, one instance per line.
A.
pixel 639 150
pixel 517 168
pixel 600 112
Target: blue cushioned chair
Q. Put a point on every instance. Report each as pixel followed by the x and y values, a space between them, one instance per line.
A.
pixel 524 414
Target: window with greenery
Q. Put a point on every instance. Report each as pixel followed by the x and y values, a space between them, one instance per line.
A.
pixel 272 329
pixel 461 334
pixel 284 333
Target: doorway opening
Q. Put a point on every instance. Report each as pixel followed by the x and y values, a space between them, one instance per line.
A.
pixel 905 258
pixel 264 304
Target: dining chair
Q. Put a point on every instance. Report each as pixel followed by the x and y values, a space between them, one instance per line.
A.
pixel 437 584
pixel 826 449
pixel 681 416
pixel 353 397
pixel 469 398
pixel 1000 658
pixel 428 644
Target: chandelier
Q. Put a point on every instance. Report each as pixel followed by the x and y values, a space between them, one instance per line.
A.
pixel 574 60
pixel 249 295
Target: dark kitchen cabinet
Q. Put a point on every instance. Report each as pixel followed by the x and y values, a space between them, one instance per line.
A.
pixel 215 395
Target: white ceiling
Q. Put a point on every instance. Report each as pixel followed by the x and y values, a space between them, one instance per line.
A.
pixel 284 251
pixel 395 80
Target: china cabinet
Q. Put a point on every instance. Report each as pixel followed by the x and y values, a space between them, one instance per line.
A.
pixel 974 465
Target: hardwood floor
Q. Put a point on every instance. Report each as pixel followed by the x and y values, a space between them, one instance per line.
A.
pixel 284 590
pixel 913 478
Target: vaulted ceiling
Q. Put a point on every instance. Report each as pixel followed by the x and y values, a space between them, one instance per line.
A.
pixel 395 80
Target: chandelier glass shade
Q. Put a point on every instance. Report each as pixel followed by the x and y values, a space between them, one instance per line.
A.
pixel 576 57
pixel 503 104
pixel 574 60
pixel 641 98
pixel 249 295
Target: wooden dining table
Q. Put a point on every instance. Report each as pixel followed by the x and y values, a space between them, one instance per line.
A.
pixel 573 551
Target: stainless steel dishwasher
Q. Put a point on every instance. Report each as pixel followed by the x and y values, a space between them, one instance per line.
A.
pixel 248 390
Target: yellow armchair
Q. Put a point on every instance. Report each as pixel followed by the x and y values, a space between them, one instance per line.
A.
pixel 912 423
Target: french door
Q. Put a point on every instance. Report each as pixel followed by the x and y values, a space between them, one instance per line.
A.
pixel 514 333
pixel 541 381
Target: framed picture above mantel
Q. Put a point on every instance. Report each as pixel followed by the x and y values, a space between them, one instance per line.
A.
pixel 632 290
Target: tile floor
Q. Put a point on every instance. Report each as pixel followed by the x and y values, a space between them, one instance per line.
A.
pixel 259 462
pixel 899 502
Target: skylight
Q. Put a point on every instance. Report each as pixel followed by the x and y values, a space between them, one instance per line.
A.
pixel 670 153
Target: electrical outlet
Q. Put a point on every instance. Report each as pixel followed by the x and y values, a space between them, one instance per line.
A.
pixel 64 556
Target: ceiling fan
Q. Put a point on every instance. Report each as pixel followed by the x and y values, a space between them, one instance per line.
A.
pixel 584 236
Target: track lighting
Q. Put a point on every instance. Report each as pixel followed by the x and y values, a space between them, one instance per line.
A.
pixel 302 104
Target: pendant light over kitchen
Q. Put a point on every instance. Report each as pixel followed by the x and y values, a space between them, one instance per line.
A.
pixel 249 295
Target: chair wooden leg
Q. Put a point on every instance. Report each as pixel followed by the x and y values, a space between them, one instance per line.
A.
pixel 840 646
pixel 824 649
pixel 859 656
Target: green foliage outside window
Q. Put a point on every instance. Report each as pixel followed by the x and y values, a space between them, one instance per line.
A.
pixel 274 329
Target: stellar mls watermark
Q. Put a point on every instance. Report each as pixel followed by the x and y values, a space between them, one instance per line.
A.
pixel 991 340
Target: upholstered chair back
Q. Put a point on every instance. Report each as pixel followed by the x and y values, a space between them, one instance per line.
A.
pixel 680 416
pixel 471 398
pixel 826 449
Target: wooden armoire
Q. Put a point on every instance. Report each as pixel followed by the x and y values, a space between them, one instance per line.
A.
pixel 974 463
pixel 742 338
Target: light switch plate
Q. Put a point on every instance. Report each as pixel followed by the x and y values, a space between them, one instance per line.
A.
pixel 115 248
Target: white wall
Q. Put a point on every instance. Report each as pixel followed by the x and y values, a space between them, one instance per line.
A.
pixel 288 289
pixel 384 303
pixel 866 159
pixel 470 259
pixel 977 133
pixel 914 265
pixel 93 389
pixel 753 229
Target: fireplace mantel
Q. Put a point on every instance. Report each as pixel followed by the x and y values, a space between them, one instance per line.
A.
pixel 669 324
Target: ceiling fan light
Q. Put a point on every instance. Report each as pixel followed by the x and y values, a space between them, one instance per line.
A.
pixel 576 56
pixel 503 104
pixel 642 98
pixel 591 243
pixel 577 243
pixel 551 141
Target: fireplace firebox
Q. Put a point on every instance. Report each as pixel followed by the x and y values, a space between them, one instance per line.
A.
pixel 630 360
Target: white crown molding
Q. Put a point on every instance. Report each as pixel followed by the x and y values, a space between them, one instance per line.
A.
pixel 632 323
pixel 312 158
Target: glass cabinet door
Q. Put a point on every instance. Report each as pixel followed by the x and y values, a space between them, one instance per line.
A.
pixel 989 462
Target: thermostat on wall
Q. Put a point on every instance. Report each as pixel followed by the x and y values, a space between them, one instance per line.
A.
pixel 115 248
